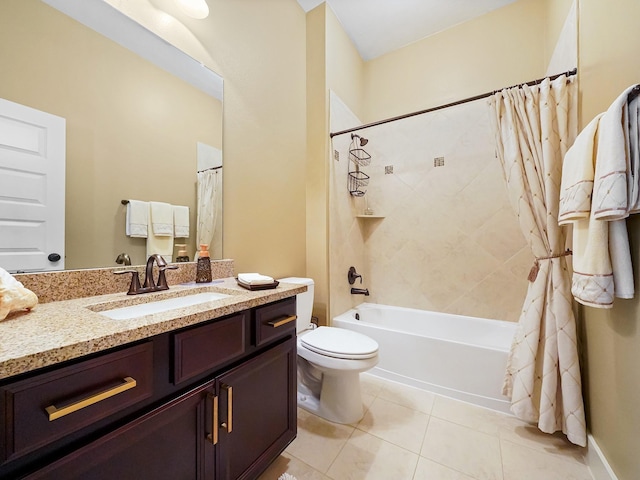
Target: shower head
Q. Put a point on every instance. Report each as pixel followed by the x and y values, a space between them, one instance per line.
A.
pixel 363 141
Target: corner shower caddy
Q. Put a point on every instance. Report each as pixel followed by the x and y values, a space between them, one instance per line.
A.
pixel 357 179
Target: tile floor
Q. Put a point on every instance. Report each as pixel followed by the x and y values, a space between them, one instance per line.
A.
pixel 410 434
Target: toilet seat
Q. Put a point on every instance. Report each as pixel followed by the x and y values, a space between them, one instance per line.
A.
pixel 339 343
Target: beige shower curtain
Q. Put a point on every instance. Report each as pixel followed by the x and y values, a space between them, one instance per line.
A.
pixel 534 127
pixel 208 198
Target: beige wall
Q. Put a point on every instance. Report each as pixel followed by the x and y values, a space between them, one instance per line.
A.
pixel 555 17
pixel 317 151
pixel 132 128
pixel 608 50
pixel 345 67
pixel 504 47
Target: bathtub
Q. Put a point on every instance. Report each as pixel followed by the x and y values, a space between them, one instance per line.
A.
pixel 452 355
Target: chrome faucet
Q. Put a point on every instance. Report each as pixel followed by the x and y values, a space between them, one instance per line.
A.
pixel 149 284
pixel 360 291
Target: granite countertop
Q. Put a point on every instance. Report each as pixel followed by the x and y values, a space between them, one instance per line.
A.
pixel 58 331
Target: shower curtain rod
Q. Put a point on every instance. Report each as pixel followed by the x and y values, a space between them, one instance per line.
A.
pixel 453 104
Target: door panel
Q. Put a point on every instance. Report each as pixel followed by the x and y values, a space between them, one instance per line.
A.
pixel 32 188
pixel 258 400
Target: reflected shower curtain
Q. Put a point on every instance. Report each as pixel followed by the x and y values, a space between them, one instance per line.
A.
pixel 208 197
pixel 534 127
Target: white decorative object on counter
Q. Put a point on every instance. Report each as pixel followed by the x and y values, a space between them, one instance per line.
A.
pixel 14 296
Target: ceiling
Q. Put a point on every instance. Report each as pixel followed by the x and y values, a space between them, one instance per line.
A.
pixel 377 27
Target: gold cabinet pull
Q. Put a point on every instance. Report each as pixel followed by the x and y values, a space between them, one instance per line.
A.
pixel 228 425
pixel 55 413
pixel 283 321
pixel 213 436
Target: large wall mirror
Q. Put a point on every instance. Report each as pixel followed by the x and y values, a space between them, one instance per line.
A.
pixel 133 130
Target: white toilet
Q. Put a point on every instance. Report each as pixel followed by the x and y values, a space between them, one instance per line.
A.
pixel 329 363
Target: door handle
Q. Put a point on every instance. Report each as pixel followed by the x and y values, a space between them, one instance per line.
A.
pixel 228 425
pixel 213 436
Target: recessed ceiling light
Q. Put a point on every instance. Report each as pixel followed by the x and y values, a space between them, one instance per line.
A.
pixel 194 8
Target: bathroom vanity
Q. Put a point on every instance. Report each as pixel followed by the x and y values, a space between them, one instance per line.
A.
pixel 202 392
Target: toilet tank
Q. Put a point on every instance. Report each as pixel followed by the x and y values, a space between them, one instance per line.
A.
pixel 304 302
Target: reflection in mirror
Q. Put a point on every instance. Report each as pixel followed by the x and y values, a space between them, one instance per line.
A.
pixel 133 130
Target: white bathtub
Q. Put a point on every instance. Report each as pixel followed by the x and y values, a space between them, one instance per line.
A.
pixel 452 355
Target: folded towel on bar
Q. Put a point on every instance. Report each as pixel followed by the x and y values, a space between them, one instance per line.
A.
pixel 181 221
pixel 137 219
pixel 255 279
pixel 161 218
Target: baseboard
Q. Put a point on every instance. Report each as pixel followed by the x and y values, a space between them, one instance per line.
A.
pixel 597 462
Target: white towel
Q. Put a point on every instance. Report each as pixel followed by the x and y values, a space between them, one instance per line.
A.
pixel 592 282
pixel 137 219
pixel 634 153
pixel 578 172
pixel 254 279
pixel 607 148
pixel 181 221
pixel 160 231
pixel 611 188
pixel 161 218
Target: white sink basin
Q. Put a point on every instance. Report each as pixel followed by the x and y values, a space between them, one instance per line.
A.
pixel 159 306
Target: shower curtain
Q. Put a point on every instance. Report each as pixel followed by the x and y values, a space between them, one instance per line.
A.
pixel 208 197
pixel 534 127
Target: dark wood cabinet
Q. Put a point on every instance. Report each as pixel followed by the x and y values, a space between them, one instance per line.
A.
pixel 217 401
pixel 257 411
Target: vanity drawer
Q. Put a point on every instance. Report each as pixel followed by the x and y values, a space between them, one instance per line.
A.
pixel 274 320
pixel 205 347
pixel 46 407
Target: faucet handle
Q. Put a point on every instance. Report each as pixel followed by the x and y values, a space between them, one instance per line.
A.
pixel 134 287
pixel 352 275
pixel 162 279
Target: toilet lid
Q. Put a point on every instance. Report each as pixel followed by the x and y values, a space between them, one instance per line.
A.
pixel 339 343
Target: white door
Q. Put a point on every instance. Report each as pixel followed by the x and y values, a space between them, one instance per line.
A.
pixel 32 176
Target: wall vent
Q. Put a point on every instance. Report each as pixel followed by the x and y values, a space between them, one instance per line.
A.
pixel 438 162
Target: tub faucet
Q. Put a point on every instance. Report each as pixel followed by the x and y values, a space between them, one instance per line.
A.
pixel 360 291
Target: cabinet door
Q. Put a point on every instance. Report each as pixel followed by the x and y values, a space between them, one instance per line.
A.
pixel 168 443
pixel 257 412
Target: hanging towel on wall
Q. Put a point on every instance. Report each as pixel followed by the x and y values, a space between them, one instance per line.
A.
pixel 598 192
pixel 160 231
pixel 137 218
pixel 161 218
pixel 181 221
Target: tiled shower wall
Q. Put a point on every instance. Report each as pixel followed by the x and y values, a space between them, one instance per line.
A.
pixel 449 241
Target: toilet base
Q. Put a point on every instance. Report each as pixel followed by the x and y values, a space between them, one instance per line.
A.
pixel 340 399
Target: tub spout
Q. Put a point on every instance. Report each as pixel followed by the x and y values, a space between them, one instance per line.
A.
pixel 360 291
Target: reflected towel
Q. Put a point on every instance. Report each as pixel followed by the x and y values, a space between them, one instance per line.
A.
pixel 161 218
pixel 137 219
pixel 160 230
pixel 181 221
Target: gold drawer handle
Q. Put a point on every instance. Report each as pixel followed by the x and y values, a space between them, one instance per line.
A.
pixel 55 413
pixel 283 321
